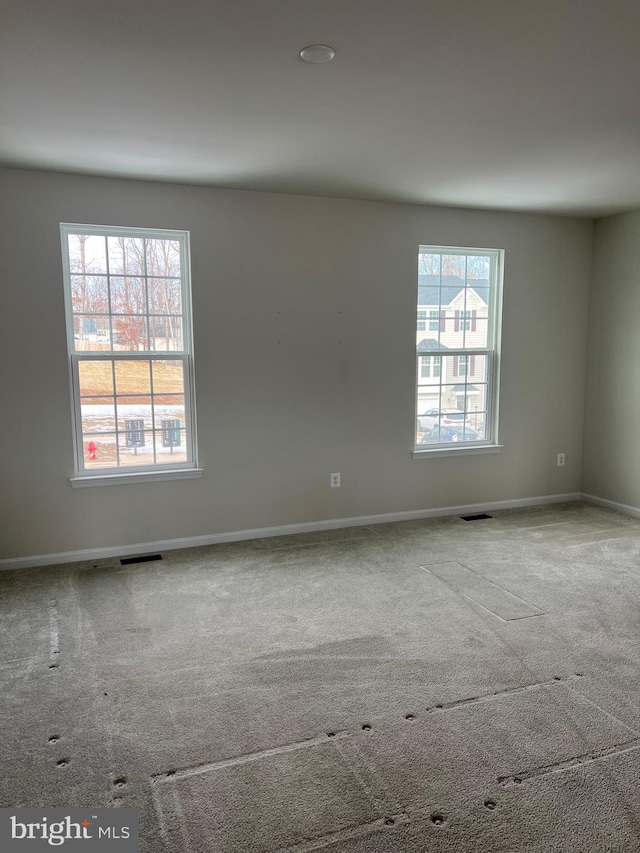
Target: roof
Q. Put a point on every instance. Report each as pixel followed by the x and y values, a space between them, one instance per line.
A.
pixel 429 293
pixel 465 389
pixel 430 345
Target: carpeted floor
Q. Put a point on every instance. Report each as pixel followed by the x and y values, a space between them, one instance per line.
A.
pixel 438 685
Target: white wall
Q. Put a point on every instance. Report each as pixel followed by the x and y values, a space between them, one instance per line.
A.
pixel 612 412
pixel 305 312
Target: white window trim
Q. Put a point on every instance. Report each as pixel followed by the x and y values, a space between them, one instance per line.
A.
pixel 121 475
pixel 494 335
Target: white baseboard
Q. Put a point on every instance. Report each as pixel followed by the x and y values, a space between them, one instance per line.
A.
pixel 283 530
pixel 633 511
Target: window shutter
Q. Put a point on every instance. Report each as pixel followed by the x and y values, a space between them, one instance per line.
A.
pixel 455 365
pixel 474 314
pixel 472 365
pixel 456 324
pixel 443 321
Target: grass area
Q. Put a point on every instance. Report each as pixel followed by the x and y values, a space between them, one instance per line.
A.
pixel 132 378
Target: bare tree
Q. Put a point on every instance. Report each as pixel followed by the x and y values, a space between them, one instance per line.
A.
pixel 469 267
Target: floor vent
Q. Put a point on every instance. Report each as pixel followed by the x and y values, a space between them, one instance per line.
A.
pixel 147 558
pixel 477 517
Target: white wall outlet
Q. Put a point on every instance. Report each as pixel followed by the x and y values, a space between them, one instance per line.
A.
pixel 335 481
pixel 560 460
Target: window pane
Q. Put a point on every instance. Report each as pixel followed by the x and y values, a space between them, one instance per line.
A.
pixel 89 294
pixel 98 415
pixel 163 257
pixel 96 378
pixel 91 333
pixel 165 296
pixel 478 366
pixel 170 414
pixel 87 254
pixel 478 269
pixel 168 377
pixel 132 377
pixel 136 444
pixel 168 406
pixel 126 255
pixel 479 421
pixel 478 336
pixel 129 333
pixel 166 334
pixel 454 265
pixel 170 442
pixel 99 451
pixel 428 264
pixel 128 295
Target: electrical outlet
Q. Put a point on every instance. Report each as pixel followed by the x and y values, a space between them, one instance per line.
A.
pixel 335 481
pixel 560 460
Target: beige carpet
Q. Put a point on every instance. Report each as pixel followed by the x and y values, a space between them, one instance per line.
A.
pixel 438 685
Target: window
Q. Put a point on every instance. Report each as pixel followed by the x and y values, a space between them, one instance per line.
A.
pixel 128 304
pixel 456 403
pixel 422 321
pixel 429 366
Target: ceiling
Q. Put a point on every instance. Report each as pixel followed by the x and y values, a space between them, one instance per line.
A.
pixel 529 105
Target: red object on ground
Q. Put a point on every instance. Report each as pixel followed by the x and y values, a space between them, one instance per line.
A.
pixel 93 450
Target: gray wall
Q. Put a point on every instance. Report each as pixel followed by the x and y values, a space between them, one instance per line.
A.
pixel 612 412
pixel 305 313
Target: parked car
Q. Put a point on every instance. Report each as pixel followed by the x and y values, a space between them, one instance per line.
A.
pixel 445 417
pixel 446 434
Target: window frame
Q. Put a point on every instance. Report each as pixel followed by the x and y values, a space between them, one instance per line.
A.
pixel 117 474
pixel 492 353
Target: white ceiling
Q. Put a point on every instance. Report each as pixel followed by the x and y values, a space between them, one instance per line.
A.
pixel 511 104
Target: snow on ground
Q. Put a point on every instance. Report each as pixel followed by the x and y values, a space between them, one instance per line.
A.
pixel 100 418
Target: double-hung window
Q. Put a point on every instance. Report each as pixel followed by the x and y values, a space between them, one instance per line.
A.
pixel 128 306
pixel 457 406
pixel 429 366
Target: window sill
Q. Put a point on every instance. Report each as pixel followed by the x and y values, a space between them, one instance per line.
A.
pixel 459 451
pixel 137 477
